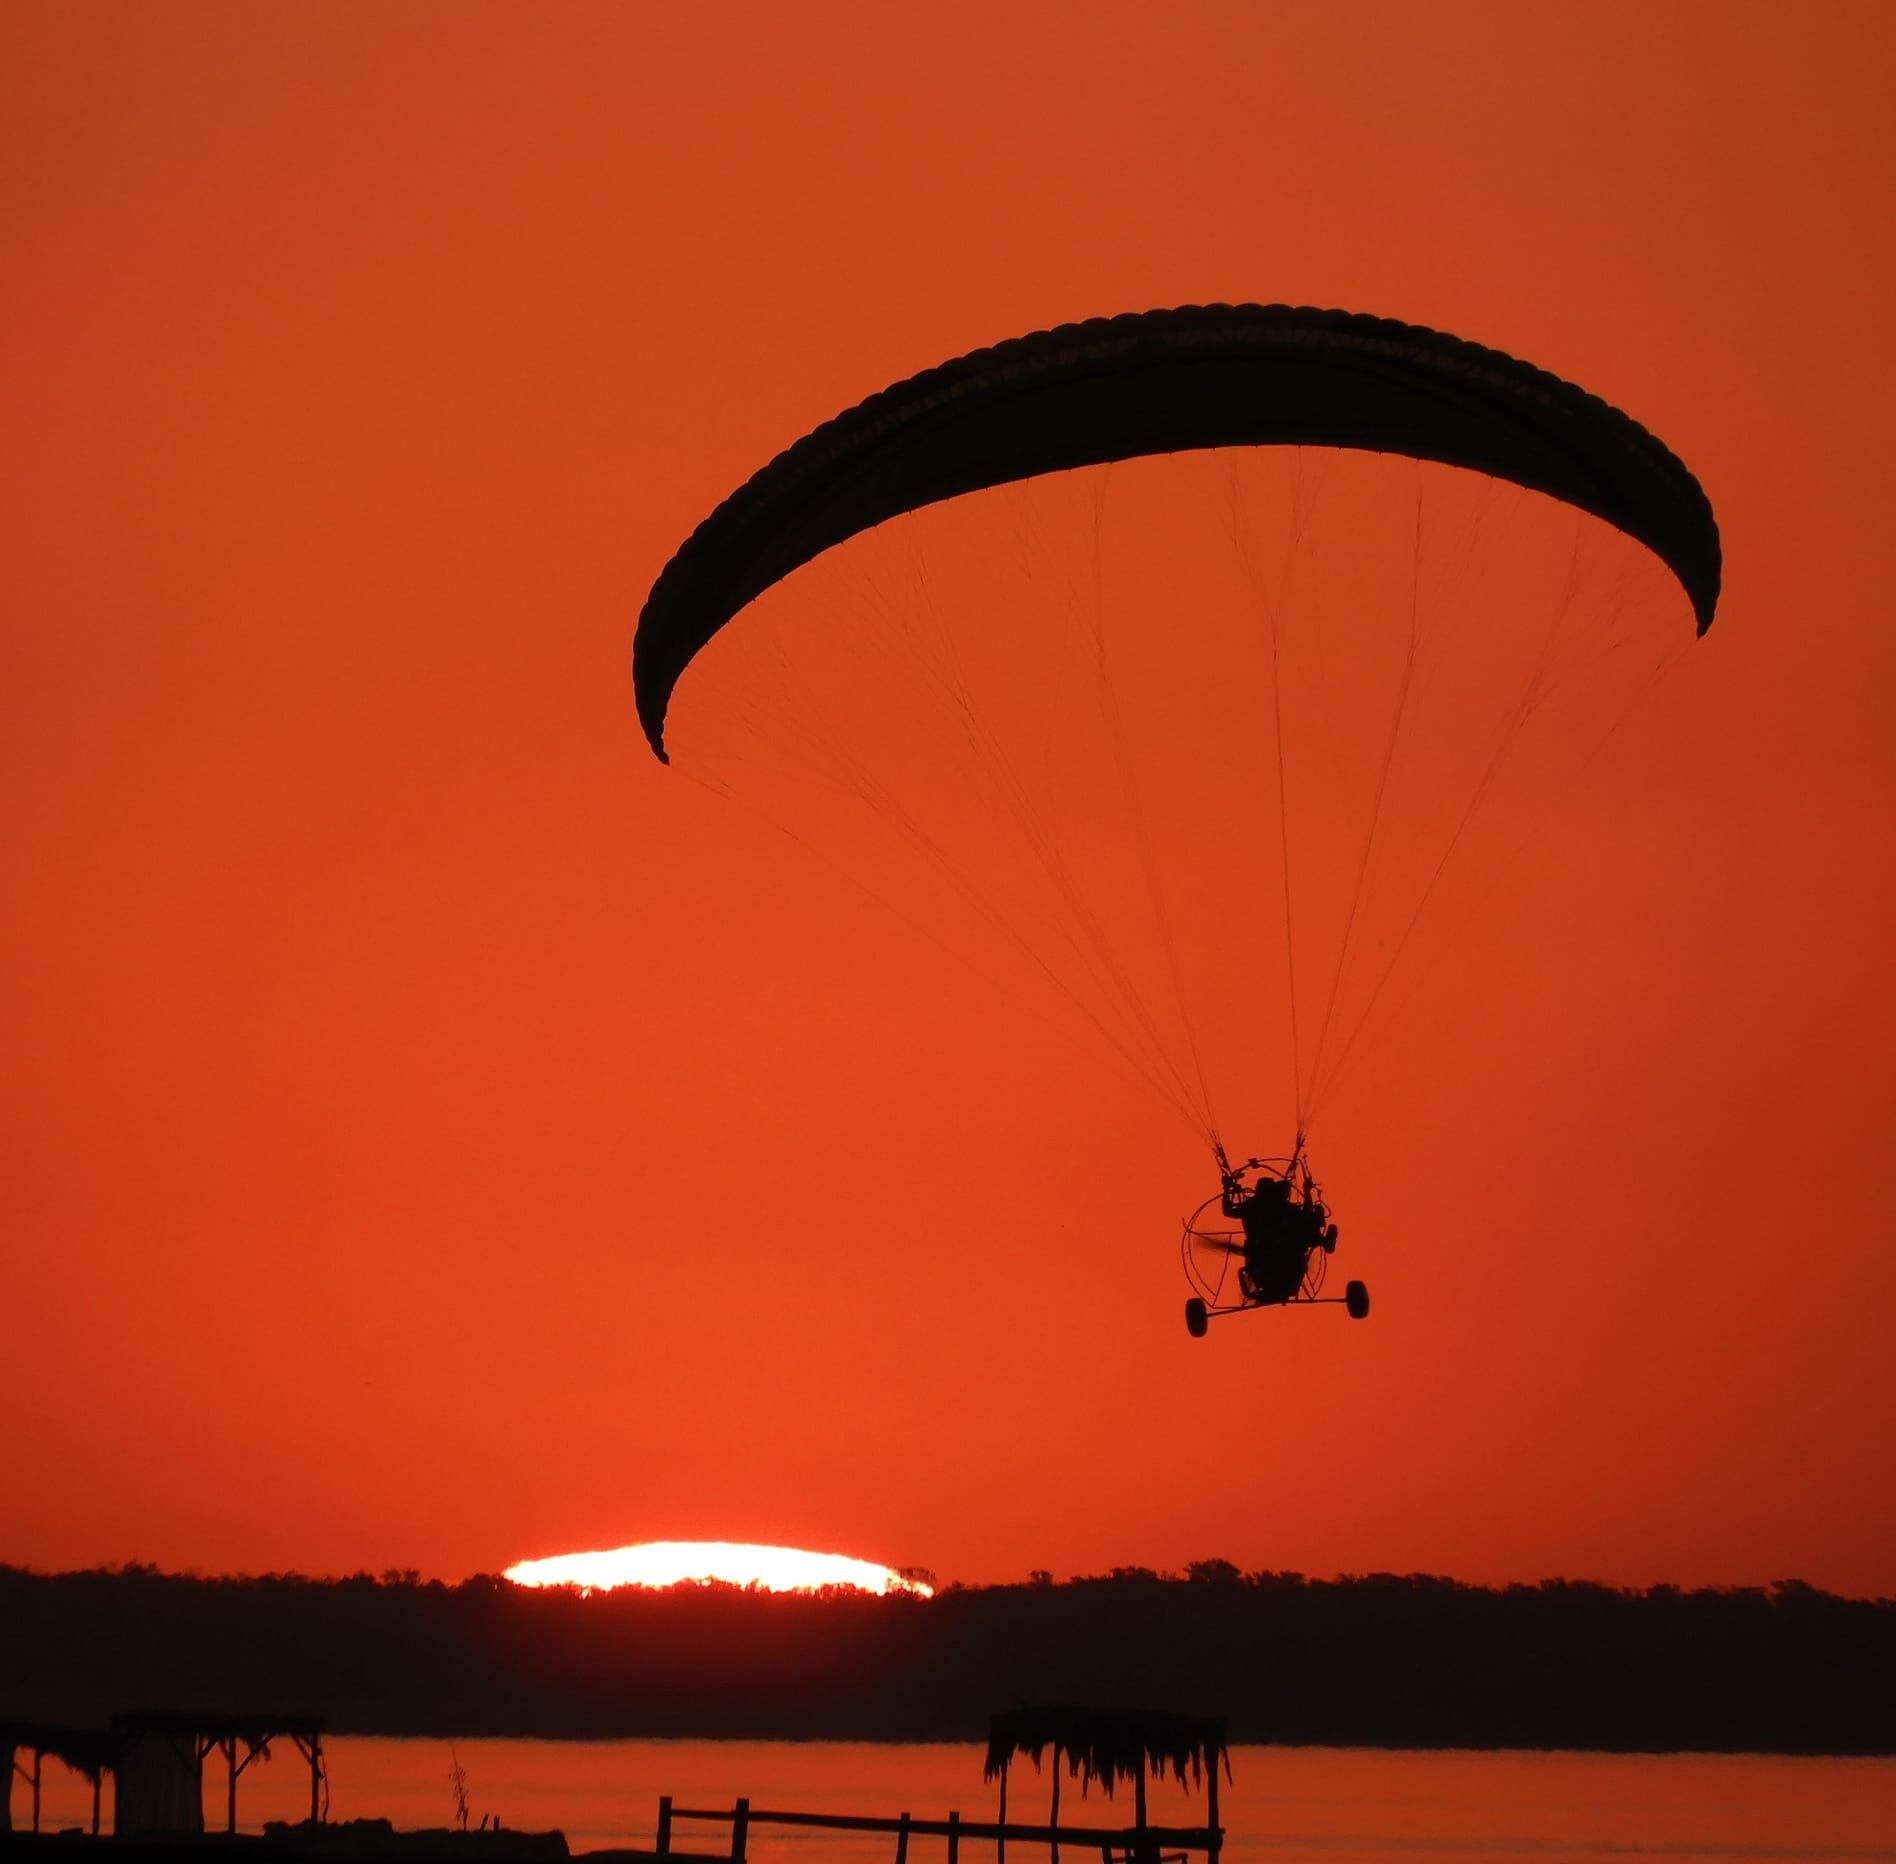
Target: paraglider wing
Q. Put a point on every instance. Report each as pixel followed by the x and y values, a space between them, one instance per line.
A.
pixel 1164 382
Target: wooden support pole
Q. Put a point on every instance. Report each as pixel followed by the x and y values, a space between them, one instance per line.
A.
pixel 740 1830
pixel 38 1757
pixel 901 1841
pixel 663 1843
pixel 1053 1818
pixel 230 1802
pixel 954 1838
pixel 1139 1795
pixel 1216 1843
pixel 1000 1837
pixel 96 1778
pixel 316 1778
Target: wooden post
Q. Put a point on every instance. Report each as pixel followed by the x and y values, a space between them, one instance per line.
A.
pixel 230 1804
pixel 663 1844
pixel 901 1841
pixel 1139 1795
pixel 954 1838
pixel 1000 1836
pixel 96 1778
pixel 1211 1812
pixel 1053 1818
pixel 740 1829
pixel 37 1758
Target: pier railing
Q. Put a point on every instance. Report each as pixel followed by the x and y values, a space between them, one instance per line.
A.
pixel 1118 1844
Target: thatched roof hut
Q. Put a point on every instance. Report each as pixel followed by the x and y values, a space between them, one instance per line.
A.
pixel 160 1764
pixel 1110 1745
pixel 87 1751
pixel 156 1757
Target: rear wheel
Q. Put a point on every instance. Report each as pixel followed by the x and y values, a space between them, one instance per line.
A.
pixel 1197 1318
pixel 1356 1300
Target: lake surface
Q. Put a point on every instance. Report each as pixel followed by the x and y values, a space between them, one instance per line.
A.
pixel 1337 1805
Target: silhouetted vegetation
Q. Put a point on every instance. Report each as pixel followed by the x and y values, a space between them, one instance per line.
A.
pixel 1380 1660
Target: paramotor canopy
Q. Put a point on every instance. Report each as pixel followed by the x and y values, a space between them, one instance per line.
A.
pixel 1259 722
pixel 1171 381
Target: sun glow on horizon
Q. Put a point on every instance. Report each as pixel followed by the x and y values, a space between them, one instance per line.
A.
pixel 657 1563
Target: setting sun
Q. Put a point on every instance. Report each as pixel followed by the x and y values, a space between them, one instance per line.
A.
pixel 736 1563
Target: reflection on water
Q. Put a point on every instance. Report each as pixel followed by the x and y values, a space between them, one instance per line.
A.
pixel 1340 1806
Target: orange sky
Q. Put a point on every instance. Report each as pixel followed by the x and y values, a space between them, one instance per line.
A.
pixel 435 1135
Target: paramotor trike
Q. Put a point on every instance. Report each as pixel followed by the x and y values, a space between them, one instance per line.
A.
pixel 1264 1239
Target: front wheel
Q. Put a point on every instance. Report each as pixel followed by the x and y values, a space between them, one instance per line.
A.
pixel 1196 1318
pixel 1356 1301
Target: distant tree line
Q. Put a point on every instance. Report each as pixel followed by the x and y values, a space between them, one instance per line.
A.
pixel 1378 1660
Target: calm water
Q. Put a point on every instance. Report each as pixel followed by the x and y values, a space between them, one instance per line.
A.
pixel 1341 1806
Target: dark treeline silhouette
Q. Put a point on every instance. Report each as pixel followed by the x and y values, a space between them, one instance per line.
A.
pixel 1380 1660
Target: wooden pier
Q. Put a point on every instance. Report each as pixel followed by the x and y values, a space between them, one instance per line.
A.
pixel 1104 1746
pixel 1128 1844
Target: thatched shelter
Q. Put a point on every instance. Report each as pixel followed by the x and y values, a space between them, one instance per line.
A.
pixel 1110 1745
pixel 87 1751
pixel 156 1758
pixel 160 1764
